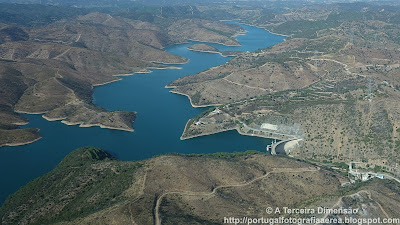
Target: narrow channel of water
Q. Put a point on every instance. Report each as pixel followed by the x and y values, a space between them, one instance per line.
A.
pixel 161 117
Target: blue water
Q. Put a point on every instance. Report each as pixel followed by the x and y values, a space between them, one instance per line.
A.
pixel 161 117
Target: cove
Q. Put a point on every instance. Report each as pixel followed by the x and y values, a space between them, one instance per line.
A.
pixel 161 117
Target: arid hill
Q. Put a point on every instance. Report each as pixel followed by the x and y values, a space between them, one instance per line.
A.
pixel 203 48
pixel 204 30
pixel 333 84
pixel 90 186
pixel 52 69
pixel 210 49
pixel 104 33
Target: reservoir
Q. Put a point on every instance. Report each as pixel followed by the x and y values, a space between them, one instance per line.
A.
pixel 161 118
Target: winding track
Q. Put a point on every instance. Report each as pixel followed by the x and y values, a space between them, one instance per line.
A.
pixel 233 82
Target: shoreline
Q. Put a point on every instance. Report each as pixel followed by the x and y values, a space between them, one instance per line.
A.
pixel 216 43
pixel 191 40
pixel 204 134
pixel 133 73
pixel 146 70
pixel 178 63
pixel 81 124
pixel 163 68
pixel 20 143
pixel 30 113
pixel 108 82
pixel 255 135
pixel 200 106
pixel 220 131
pixel 199 135
pixel 94 125
pixel 238 21
pixel 222 54
pixel 213 52
pixel 206 51
pixel 284 35
pixel 20 123
pixel 190 100
pixel 53 119
pixel 238 33
pixel 62 119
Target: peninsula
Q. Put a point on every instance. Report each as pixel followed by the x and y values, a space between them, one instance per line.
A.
pixel 210 49
pixel 52 69
pixel 333 86
pixel 330 92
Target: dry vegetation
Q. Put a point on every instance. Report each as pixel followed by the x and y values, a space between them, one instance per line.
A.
pixel 203 48
pixel 89 186
pixel 319 79
pixel 52 69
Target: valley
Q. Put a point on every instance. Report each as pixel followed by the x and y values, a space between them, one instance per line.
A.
pixel 213 111
pixel 59 64
pixel 334 88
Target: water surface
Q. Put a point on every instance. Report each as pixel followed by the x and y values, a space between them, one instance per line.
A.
pixel 161 117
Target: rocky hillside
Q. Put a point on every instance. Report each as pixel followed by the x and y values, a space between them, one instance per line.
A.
pixel 90 186
pixel 51 69
pixel 335 80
